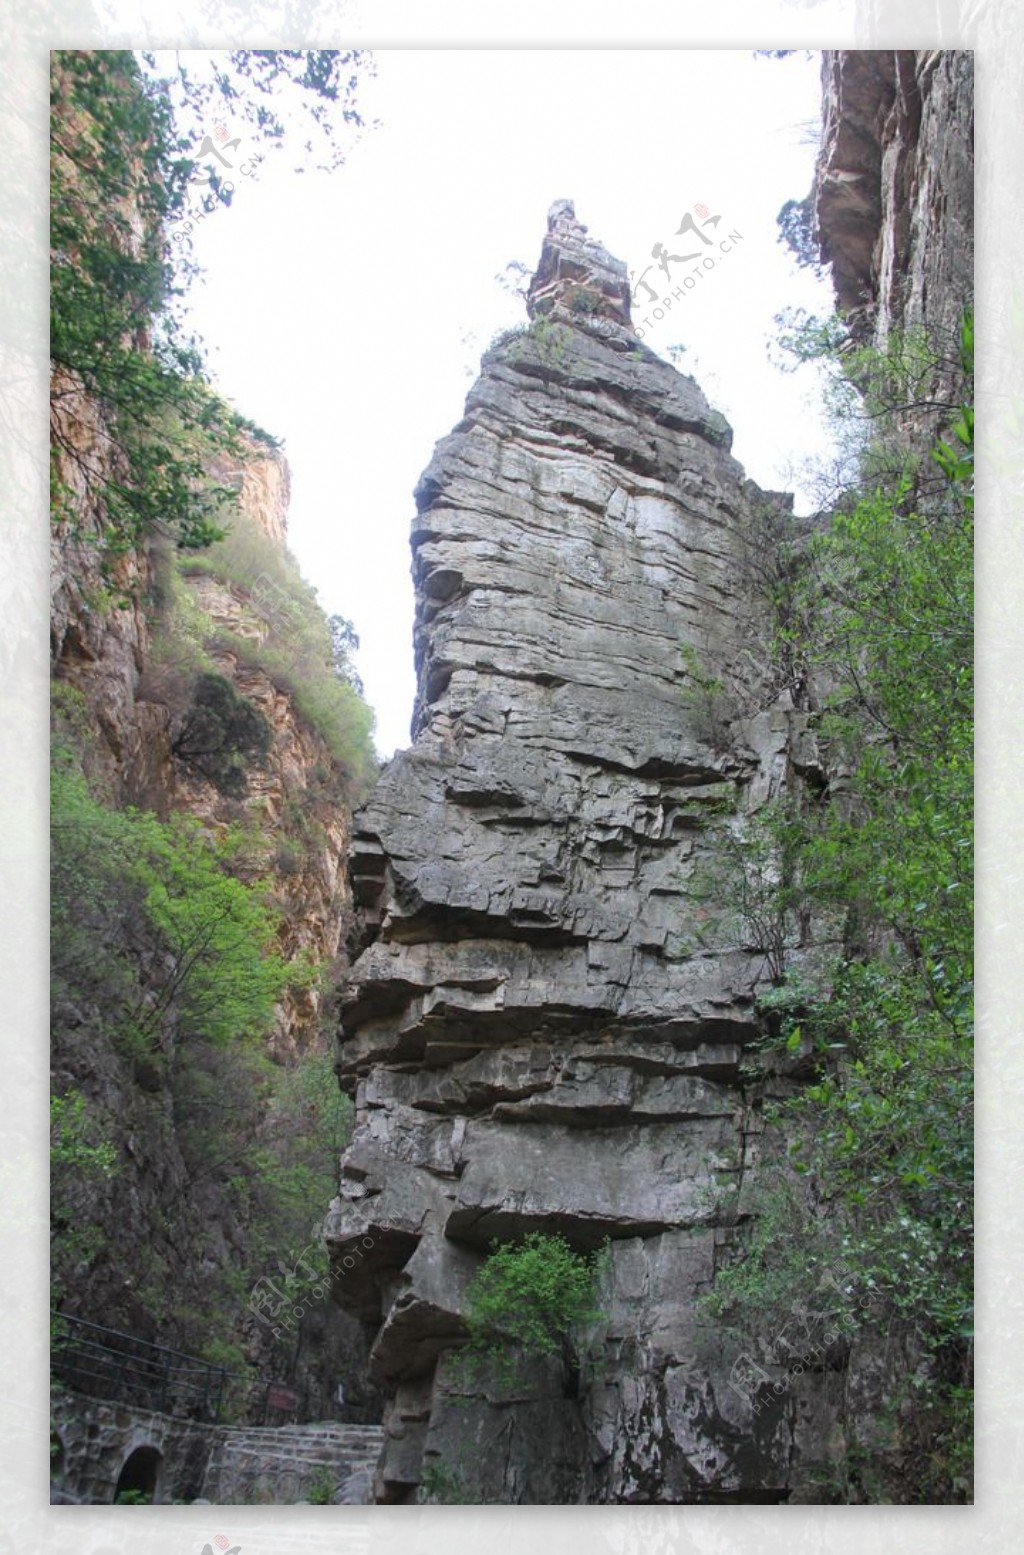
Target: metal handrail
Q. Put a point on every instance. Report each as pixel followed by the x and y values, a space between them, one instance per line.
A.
pixel 112 1364
pixel 117 1333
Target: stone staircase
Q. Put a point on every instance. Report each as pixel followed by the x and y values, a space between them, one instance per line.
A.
pixel 283 1464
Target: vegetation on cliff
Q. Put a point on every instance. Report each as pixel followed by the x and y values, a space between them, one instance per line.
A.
pixel 117 176
pixel 188 1163
pixel 877 609
pixel 165 971
pixel 121 167
pixel 528 1301
pixel 302 651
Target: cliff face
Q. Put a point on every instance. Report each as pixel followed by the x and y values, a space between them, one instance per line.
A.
pixel 547 1029
pixel 204 1123
pixel 170 1235
pixel 102 636
pixel 894 187
pixel 99 631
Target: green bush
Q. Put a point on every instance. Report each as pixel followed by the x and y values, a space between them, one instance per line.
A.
pixel 441 1485
pixel 884 1135
pixel 122 880
pixel 708 698
pixel 551 340
pixel 320 1487
pixel 507 337
pixel 527 1301
pixel 582 301
pixel 134 1498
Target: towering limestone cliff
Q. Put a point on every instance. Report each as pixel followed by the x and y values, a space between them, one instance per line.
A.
pixel 635 894
pixel 547 1027
pixel 573 908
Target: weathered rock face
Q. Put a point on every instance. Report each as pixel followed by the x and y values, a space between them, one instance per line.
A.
pixel 102 634
pixel 546 1028
pixel 296 796
pixel 103 630
pixel 99 633
pixel 894 187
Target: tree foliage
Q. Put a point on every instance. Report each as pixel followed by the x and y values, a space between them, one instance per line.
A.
pixel 275 94
pixel 121 166
pixel 883 1137
pixel 344 643
pixel 114 336
pixel 527 1301
pixel 222 734
pixel 82 1156
pixel 796 230
pixel 148 922
pixel 165 948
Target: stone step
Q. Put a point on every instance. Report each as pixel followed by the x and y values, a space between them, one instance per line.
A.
pixel 365 1440
pixel 294 1456
pixel 285 1441
pixel 304 1449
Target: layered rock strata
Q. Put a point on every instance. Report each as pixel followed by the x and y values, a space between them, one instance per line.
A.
pixel 546 1026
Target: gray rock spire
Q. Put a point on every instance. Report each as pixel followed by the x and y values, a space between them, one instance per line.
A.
pixel 576 275
pixel 545 1029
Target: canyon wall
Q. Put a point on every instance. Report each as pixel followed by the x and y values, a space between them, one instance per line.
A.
pixel 170 1232
pixel 894 188
pixel 111 643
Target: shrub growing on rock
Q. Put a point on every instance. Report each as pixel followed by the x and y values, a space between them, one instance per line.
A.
pixel 527 1301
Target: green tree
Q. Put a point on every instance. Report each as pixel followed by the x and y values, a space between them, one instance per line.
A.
pixel 166 956
pixel 527 1301
pixel 148 924
pixel 344 643
pixel 82 1160
pixel 796 230
pixel 221 735
pixel 883 1136
pixel 134 454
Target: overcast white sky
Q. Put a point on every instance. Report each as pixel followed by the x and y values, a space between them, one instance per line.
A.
pixel 347 312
